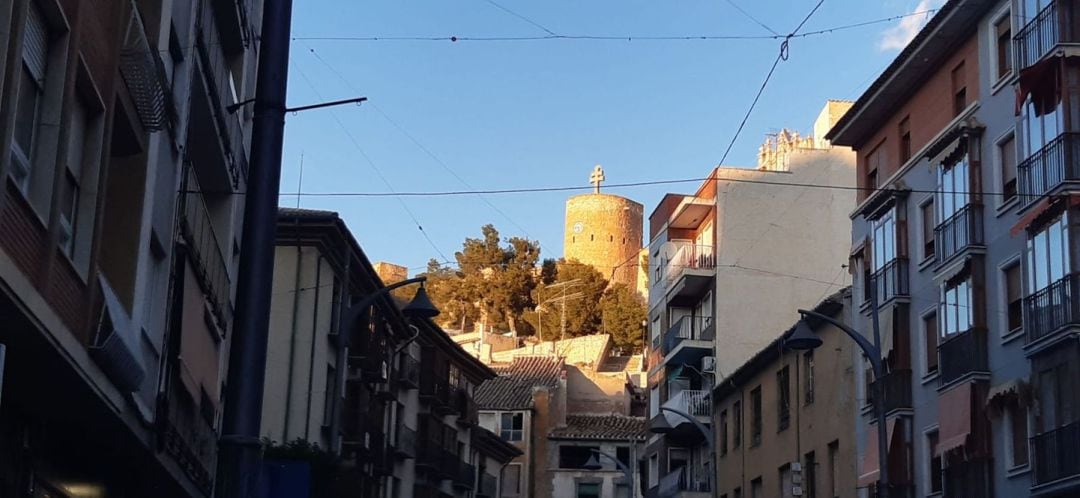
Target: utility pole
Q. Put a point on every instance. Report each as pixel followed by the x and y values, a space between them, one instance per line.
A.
pixel 240 458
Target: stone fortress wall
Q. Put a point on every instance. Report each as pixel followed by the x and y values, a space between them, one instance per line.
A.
pixel 605 232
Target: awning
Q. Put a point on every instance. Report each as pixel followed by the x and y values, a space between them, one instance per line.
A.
pixel 1039 210
pixel 1014 391
pixel 869 465
pixel 947 151
pixel 954 417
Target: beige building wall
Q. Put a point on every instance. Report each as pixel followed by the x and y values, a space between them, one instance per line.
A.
pixel 299 356
pixel 589 391
pixel 588 349
pixel 390 273
pixel 605 231
pixel 824 426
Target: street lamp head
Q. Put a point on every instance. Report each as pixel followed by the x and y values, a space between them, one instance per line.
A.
pixel 660 425
pixel 420 306
pixel 593 463
pixel 802 338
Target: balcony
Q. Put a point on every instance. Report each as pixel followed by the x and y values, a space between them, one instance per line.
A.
pixel 468 413
pixel 897 386
pixel 405 446
pixel 891 281
pixel 206 252
pixel 1056 163
pixel 489 486
pixel 1045 32
pixel 408 373
pixel 680 483
pixel 688 273
pixel 962 354
pixel 434 380
pixel 970 479
pixel 465 477
pixel 1056 454
pixel 960 231
pixel 1051 309
pixel 692 402
pixel 689 339
pixel 220 134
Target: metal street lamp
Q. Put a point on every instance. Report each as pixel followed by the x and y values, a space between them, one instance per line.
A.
pixel 661 426
pixel 803 338
pixel 594 464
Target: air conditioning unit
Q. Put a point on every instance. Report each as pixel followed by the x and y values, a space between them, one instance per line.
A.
pixel 708 364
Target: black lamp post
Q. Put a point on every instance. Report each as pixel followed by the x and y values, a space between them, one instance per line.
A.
pixel 803 338
pixel 594 464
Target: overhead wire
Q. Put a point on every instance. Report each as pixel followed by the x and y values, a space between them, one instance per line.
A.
pixel 374 167
pixel 417 142
pixel 519 16
pixel 752 18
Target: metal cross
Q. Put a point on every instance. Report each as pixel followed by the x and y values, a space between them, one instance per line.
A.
pixel 596 177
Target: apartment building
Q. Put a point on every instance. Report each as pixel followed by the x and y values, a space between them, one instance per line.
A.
pixel 119 230
pixel 729 266
pixel 784 419
pixel 965 233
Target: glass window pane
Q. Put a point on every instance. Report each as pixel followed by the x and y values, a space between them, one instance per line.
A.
pixel 1056 254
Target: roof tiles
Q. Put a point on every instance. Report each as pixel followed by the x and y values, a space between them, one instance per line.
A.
pixel 512 389
pixel 608 427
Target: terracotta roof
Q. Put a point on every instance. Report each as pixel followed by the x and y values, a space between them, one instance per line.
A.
pixel 512 389
pixel 608 427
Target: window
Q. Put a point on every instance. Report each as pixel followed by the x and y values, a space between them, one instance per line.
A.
pixel 959 89
pixel 905 140
pixel 30 91
pixel 927 219
pixel 810 476
pixel 756 489
pixel 1048 255
pixel 935 461
pixel 1016 423
pixel 1006 150
pixel 737 493
pixel 511 480
pixel 834 467
pixel 654 470
pixel 953 184
pixel 875 165
pixel 455 376
pixel 654 401
pixel 1014 298
pixel 511 427
pixel 1054 400
pixel 622 490
pixel 956 306
pixel 884 233
pixel 931 340
pixel 1003 42
pixel 736 432
pixel 575 457
pixel 808 376
pixel 723 432
pixel 755 416
pixel 783 398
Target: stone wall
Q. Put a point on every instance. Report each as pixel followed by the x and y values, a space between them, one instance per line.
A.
pixel 605 232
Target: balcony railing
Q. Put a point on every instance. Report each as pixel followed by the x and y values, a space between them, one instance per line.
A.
pixel 1053 307
pixel 962 354
pixel 1057 453
pixel 468 414
pixel 409 372
pixel 489 485
pixel 688 328
pixel 897 390
pixel 693 402
pixel 465 477
pixel 218 73
pixel 405 445
pixel 961 230
pixel 970 479
pixel 689 257
pixel 198 229
pixel 891 280
pixel 1050 166
pixel 681 480
pixel 1044 32
pixel 434 380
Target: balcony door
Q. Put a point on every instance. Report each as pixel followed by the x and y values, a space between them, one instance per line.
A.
pixel 1038 129
pixel 1048 254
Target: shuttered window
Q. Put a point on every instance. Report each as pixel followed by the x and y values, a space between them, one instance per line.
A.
pixel 36 43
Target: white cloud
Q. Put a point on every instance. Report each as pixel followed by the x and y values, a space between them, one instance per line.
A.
pixel 897 37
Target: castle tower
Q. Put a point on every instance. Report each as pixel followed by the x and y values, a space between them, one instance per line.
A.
pixel 605 231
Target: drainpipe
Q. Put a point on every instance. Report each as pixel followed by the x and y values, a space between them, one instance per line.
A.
pixel 314 338
pixel 292 336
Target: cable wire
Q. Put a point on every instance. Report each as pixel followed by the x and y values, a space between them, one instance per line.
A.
pixel 752 18
pixel 523 18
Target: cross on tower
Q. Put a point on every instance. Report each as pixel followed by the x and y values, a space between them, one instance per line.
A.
pixel 596 177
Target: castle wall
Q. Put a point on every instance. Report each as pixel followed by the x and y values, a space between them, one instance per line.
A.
pixel 605 232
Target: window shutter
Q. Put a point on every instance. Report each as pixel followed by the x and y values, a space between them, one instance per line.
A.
pixel 36 43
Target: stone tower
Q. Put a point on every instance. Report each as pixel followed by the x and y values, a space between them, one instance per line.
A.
pixel 604 231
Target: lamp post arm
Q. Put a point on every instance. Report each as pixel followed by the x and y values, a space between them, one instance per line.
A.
pixel 868 349
pixel 357 309
pixel 622 466
pixel 701 427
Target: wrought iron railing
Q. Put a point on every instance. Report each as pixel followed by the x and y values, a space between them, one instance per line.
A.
pixel 209 261
pixel 897 386
pixel 693 328
pixel 891 281
pixel 1056 453
pixel 962 354
pixel 1044 32
pixel 1052 307
pixel 1048 167
pixel 959 231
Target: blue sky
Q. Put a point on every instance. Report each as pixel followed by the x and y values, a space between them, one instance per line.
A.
pixel 508 114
